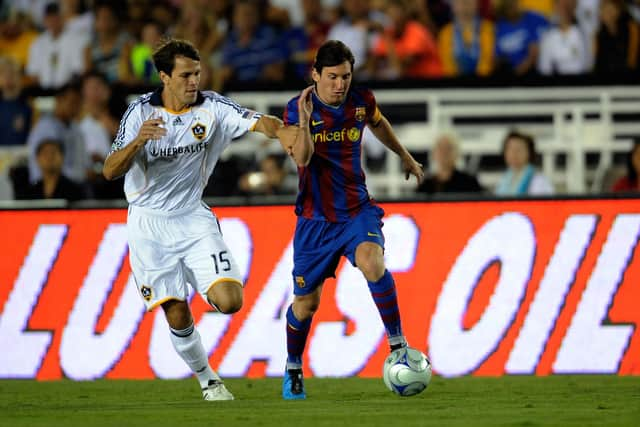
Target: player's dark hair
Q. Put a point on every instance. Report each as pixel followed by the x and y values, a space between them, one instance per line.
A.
pixel 164 58
pixel 332 53
pixel 529 142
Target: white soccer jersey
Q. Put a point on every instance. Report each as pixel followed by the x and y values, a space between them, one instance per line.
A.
pixel 171 173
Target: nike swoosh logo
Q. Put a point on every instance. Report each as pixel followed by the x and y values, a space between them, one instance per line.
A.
pixel 370 234
pixel 314 123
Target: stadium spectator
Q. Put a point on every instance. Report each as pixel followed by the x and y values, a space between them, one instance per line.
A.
pixel 53 184
pixel 305 39
pixel 433 14
pixel 138 14
pixel 542 7
pixel 78 19
pixel 35 9
pixel 271 178
pixel 634 9
pixel 617 41
pixel 140 69
pixel 110 46
pixel 563 48
pixel 587 14
pixel 518 35
pixel 16 114
pixel 445 176
pixel 56 55
pixel 356 28
pixel 253 51
pixel 467 43
pixel 222 15
pixel 631 181
pixel 16 36
pixel 98 127
pixel 521 177
pixel 198 26
pixel 61 126
pixel 405 49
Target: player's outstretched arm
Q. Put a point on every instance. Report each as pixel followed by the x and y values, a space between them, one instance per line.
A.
pixel 383 131
pixel 269 126
pixel 119 162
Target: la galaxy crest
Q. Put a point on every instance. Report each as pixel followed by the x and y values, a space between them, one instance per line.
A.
pixel 361 113
pixel 199 131
pixel 146 293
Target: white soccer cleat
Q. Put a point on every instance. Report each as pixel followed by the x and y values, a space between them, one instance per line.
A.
pixel 216 391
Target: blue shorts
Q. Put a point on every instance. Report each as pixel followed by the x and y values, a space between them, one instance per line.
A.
pixel 318 246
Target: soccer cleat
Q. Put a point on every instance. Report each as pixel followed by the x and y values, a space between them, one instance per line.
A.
pixel 293 385
pixel 216 391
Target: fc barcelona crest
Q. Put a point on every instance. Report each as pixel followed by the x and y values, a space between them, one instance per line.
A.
pixel 199 131
pixel 300 281
pixel 361 113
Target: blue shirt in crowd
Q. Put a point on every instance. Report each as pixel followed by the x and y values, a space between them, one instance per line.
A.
pixel 513 38
pixel 249 61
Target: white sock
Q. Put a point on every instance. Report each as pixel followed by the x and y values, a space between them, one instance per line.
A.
pixel 189 346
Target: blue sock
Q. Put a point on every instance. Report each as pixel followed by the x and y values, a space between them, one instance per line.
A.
pixel 297 332
pixel 384 295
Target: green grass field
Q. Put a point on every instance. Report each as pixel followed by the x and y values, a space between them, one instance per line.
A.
pixel 468 401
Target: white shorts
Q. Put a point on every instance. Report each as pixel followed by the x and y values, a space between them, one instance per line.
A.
pixel 168 250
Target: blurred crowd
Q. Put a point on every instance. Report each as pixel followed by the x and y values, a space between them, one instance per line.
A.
pixel 81 51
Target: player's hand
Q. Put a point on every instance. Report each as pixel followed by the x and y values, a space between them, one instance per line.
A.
pixel 411 167
pixel 151 129
pixel 305 106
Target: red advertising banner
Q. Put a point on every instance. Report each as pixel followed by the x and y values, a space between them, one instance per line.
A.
pixel 485 288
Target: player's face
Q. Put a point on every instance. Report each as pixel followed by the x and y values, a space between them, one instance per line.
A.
pixel 334 82
pixel 182 84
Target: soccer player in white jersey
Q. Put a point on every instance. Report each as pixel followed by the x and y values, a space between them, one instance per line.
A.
pixel 168 144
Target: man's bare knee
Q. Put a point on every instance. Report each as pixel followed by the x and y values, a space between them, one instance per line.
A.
pixel 305 306
pixel 226 297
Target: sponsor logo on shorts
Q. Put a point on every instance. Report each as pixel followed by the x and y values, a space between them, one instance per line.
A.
pixel 199 131
pixel 370 234
pixel 300 281
pixel 146 293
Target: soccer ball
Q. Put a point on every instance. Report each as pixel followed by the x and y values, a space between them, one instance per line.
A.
pixel 406 371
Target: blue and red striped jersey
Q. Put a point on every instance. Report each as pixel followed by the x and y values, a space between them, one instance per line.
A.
pixel 332 187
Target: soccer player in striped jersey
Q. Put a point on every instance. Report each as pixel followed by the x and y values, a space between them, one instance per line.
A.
pixel 336 215
pixel 167 146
